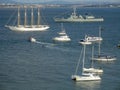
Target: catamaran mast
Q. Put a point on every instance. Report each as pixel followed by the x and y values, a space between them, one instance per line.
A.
pixel 32 17
pixel 18 23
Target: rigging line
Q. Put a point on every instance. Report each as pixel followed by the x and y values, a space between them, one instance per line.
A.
pixel 78 61
pixel 11 17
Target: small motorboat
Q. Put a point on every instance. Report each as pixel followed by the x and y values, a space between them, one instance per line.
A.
pixel 31 39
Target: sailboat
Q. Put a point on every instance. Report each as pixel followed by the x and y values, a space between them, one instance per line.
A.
pixel 26 27
pixel 84 76
pixel 79 18
pixel 63 36
pixel 92 69
pixel 101 57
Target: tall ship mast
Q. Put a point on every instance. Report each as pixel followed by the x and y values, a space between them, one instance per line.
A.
pixel 26 27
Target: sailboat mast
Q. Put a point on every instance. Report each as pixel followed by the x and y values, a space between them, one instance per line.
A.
pixel 32 16
pixel 38 17
pixel 92 55
pixel 99 46
pixel 83 57
pixel 100 31
pixel 25 20
pixel 18 23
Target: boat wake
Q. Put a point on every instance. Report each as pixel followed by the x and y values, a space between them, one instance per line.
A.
pixel 55 46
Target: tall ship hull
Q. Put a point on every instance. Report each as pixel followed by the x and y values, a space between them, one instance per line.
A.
pixel 28 28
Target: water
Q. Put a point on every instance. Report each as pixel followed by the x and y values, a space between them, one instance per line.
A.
pixel 30 66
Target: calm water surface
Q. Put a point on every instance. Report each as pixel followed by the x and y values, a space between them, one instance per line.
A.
pixel 29 66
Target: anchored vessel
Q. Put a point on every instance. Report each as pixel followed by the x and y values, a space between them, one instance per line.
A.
pixel 84 76
pixel 27 27
pixel 63 36
pixel 79 18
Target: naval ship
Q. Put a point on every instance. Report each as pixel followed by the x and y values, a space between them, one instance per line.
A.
pixel 79 18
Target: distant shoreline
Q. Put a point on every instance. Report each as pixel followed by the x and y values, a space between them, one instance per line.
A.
pixel 57 5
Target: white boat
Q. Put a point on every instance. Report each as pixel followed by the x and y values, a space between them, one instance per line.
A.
pixel 103 57
pixel 85 76
pixel 94 39
pixel 85 41
pixel 89 39
pixel 31 39
pixel 63 36
pixel 79 18
pixel 92 69
pixel 27 27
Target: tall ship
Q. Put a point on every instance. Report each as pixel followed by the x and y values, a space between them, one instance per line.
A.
pixel 27 27
pixel 79 18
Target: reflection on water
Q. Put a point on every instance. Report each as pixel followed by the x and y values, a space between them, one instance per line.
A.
pixel 88 85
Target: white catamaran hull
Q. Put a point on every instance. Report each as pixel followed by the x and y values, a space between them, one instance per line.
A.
pixel 89 77
pixel 29 28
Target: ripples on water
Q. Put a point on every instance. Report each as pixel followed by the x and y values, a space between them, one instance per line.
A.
pixel 32 66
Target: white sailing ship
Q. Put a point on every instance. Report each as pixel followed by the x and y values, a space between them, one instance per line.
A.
pixel 79 18
pixel 85 76
pixel 27 27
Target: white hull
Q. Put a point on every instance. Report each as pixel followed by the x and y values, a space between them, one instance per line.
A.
pixel 86 77
pixel 92 70
pixel 94 39
pixel 85 42
pixel 62 38
pixel 104 58
pixel 31 39
pixel 29 28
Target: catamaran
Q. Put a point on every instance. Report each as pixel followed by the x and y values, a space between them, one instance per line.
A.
pixel 27 27
pixel 84 76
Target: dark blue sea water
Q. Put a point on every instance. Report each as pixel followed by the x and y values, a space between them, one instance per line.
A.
pixel 30 66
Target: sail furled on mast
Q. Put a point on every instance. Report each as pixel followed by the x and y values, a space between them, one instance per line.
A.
pixel 18 23
pixel 32 17
pixel 38 23
pixel 25 18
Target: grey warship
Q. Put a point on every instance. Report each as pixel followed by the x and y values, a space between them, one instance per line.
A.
pixel 79 18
